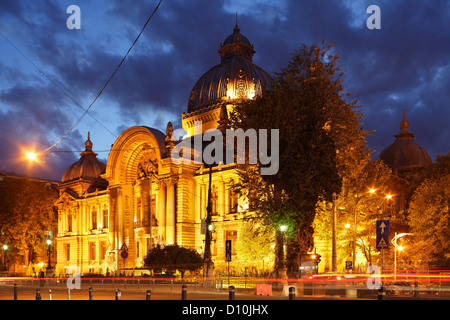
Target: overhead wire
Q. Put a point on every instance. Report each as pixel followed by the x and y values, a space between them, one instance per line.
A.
pixel 53 82
pixel 107 82
pixel 105 85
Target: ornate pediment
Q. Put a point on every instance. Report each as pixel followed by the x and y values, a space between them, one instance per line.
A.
pixel 66 198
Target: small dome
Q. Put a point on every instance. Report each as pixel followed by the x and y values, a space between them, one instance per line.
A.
pixel 236 77
pixel 87 168
pixel 404 154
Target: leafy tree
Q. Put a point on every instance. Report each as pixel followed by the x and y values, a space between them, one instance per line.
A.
pixel 172 258
pixel 355 199
pixel 26 214
pixel 441 166
pixel 429 219
pixel 317 126
pixel 254 244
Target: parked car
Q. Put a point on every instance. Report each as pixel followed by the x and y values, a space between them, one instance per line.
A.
pixel 402 287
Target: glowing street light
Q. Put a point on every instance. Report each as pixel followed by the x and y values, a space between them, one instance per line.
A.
pixel 31 156
pixel 399 248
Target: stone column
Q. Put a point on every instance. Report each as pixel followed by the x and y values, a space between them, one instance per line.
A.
pixel 170 214
pixel 162 211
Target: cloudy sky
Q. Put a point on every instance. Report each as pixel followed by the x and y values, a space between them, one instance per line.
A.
pixel 49 73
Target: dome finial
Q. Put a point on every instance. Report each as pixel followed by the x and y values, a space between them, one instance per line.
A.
pixel 404 129
pixel 236 28
pixel 88 144
pixel 404 124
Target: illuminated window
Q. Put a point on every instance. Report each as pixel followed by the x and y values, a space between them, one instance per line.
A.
pixel 91 250
pixel 67 251
pixel 105 217
pixel 103 249
pixel 214 200
pixel 94 218
pixel 69 222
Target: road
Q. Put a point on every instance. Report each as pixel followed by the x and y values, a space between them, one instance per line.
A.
pixel 59 291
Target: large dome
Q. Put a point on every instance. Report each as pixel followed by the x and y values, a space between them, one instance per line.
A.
pixel 236 77
pixel 404 154
pixel 87 168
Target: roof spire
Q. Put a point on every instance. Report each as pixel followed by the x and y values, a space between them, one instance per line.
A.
pixel 236 28
pixel 88 144
pixel 404 129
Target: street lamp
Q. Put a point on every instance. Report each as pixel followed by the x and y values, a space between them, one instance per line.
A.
pixel 31 156
pixel 399 248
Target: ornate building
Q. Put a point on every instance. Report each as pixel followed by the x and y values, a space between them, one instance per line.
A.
pixel 407 160
pixel 141 197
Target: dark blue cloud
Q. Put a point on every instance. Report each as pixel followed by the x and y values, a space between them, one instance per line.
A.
pixel 404 65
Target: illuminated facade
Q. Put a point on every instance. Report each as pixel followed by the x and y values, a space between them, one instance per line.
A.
pixel 141 198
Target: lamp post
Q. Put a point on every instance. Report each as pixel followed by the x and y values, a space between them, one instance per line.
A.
pixel 49 265
pixel 371 192
pixel 396 247
pixel 5 247
pixel 207 274
pixel 333 250
pixel 283 228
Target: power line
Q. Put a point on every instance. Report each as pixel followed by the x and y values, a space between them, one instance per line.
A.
pixel 101 91
pixel 53 82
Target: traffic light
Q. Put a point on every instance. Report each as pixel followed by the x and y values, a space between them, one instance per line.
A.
pixel 316 258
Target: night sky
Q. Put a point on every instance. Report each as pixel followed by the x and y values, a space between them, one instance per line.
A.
pixel 403 65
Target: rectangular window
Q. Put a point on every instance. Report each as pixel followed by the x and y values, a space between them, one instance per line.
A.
pixel 91 250
pixel 67 251
pixel 94 219
pixel 105 218
pixel 103 249
pixel 69 222
pixel 214 201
